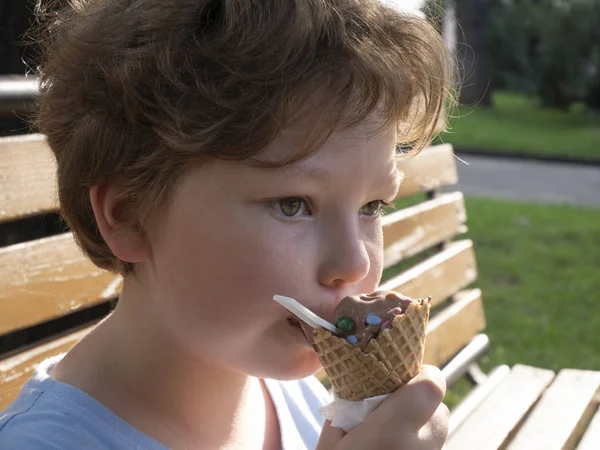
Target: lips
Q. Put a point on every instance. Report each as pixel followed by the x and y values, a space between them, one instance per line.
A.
pixel 293 321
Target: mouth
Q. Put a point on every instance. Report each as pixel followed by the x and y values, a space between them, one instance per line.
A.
pixel 293 321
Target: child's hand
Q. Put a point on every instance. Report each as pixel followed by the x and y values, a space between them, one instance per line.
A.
pixel 412 418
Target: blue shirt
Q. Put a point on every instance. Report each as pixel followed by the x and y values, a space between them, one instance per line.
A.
pixel 51 415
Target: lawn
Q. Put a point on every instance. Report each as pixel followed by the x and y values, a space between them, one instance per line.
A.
pixel 538 270
pixel 517 124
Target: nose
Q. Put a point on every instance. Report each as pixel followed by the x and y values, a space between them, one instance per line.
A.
pixel 345 258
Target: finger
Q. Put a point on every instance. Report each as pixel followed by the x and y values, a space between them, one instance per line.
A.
pixel 414 403
pixel 435 432
pixel 329 436
pixel 428 389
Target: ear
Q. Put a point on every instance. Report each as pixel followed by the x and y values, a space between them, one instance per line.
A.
pixel 130 245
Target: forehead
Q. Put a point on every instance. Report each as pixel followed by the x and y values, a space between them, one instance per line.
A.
pixel 367 141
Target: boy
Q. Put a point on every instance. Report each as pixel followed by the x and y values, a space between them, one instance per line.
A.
pixel 216 153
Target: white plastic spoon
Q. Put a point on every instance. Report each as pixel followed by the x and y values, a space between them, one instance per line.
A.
pixel 305 314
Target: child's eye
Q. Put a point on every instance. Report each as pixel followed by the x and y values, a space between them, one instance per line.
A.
pixel 373 209
pixel 291 207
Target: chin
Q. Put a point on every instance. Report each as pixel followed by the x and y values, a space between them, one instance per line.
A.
pixel 295 366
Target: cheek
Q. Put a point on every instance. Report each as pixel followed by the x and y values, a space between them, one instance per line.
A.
pixel 268 261
pixel 373 239
pixel 222 307
pixel 224 273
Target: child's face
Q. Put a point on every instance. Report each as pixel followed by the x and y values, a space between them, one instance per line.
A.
pixel 234 235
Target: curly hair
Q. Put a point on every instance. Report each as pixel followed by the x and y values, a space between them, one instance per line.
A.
pixel 145 89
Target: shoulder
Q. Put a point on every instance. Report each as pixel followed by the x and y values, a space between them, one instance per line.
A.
pixel 49 415
pixel 28 425
pixel 45 417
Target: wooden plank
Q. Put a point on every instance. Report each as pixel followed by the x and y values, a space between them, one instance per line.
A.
pixel 476 396
pixel 416 228
pixel 49 278
pixel 591 438
pixel 17 369
pixel 496 419
pixel 433 168
pixel 452 328
pixel 559 419
pixel 439 276
pixel 27 177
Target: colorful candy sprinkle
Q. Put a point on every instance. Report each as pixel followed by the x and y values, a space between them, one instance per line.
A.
pixel 397 311
pixel 386 324
pixel 345 324
pixel 405 303
pixel 352 339
pixel 372 319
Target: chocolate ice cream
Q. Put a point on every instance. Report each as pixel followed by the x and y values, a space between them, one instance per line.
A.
pixel 362 317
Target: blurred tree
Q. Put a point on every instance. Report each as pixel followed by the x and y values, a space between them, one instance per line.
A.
pixel 464 25
pixel 593 89
pixel 547 47
pixel 471 16
pixel 15 19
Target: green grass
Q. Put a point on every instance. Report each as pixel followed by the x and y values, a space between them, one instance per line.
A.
pixel 517 124
pixel 539 272
pixel 539 268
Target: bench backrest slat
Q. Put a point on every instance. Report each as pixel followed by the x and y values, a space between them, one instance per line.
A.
pixel 454 326
pixel 26 161
pixel 432 168
pixel 15 371
pixel 440 276
pixel 27 177
pixel 419 227
pixel 46 279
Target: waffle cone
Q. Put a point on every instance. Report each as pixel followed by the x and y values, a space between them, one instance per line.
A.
pixel 388 362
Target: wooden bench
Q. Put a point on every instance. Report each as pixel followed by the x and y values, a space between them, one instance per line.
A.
pixel 51 295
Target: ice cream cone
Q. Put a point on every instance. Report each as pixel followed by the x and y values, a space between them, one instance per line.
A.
pixel 385 364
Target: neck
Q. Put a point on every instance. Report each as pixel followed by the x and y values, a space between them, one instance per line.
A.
pixel 138 371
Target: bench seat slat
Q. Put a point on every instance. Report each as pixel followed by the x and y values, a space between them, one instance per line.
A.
pixel 17 369
pixel 432 168
pixel 439 276
pixel 591 438
pixel 49 278
pixel 560 418
pixel 419 227
pixel 27 177
pixel 498 416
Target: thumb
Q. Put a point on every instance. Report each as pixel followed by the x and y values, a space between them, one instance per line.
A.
pixel 330 436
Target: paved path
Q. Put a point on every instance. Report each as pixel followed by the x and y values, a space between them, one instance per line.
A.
pixel 529 180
